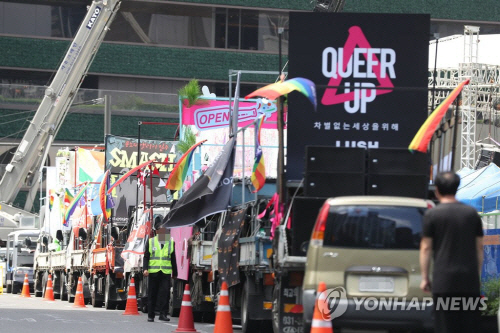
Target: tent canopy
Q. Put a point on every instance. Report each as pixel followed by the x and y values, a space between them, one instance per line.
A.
pixel 481 188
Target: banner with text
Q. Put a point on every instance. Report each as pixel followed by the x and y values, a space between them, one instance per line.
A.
pixel 375 67
pixel 121 157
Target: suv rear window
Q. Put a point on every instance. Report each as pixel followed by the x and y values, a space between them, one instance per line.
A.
pixel 388 227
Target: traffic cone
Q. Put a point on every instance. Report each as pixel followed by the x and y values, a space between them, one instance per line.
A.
pixel 186 321
pixel 223 321
pixel 131 307
pixel 79 301
pixel 49 290
pixel 26 287
pixel 320 324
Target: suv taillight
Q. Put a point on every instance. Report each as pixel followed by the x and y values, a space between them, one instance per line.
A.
pixel 320 225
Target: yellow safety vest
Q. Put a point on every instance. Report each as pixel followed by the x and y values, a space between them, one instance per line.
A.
pixel 159 259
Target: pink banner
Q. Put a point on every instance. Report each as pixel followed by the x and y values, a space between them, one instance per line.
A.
pixel 181 236
pixel 211 114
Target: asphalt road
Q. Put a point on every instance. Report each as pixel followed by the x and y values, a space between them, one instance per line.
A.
pixel 30 315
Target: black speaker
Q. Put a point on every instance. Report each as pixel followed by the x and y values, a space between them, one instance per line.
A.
pixel 487 156
pixel 329 184
pixel 304 213
pixel 397 161
pixel 415 186
pixel 333 159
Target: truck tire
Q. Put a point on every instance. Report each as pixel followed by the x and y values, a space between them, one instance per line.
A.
pixel 63 291
pixel 56 281
pixel 109 304
pixel 38 284
pixel 247 325
pixel 73 283
pixel 45 278
pixel 96 299
pixel 15 288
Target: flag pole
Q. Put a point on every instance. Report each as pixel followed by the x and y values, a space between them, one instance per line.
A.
pixel 454 142
pixel 281 149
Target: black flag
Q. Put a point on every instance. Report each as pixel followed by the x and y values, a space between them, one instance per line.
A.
pixel 210 194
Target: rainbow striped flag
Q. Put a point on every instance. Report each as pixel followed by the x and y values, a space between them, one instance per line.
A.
pixel 258 177
pixel 421 140
pixel 178 175
pixel 273 91
pixel 72 206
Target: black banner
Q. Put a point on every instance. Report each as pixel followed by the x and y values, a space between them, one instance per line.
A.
pixel 378 65
pixel 121 156
pixel 210 194
pixel 229 248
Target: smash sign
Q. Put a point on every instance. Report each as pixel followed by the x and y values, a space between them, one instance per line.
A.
pixel 370 72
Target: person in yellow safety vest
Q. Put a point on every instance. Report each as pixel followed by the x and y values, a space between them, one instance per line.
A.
pixel 159 266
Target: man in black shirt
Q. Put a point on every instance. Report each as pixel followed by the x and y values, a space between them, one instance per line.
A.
pixel 453 234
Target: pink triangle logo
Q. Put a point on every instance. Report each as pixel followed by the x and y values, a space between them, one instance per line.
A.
pixel 350 60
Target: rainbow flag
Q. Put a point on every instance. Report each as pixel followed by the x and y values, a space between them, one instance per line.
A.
pixel 421 141
pixel 72 206
pixel 178 175
pixel 258 177
pixel 104 198
pixel 273 91
pixel 68 198
pixel 52 194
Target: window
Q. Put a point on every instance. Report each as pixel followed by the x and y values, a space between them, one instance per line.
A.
pixel 374 227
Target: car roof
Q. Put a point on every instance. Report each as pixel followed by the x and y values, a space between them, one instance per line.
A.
pixel 379 200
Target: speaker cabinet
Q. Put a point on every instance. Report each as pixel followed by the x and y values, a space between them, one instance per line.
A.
pixel 415 186
pixel 336 160
pixel 397 161
pixel 487 156
pixel 304 213
pixel 329 184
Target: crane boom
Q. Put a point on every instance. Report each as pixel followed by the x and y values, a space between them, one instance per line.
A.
pixel 26 163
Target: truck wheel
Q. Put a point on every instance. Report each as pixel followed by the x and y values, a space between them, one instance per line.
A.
pixel 96 299
pixel 9 288
pixel 62 287
pixel 15 288
pixel 247 325
pixel 72 282
pixel 38 284
pixel 56 281
pixel 109 304
pixel 45 278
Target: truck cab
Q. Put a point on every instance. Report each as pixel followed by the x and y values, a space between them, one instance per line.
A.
pixel 20 252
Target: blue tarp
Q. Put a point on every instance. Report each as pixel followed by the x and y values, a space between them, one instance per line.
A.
pixel 481 189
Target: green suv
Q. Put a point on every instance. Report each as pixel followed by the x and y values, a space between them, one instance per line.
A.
pixel 366 250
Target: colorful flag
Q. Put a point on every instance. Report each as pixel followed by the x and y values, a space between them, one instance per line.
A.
pixel 421 141
pixel 130 172
pixel 273 91
pixel 52 194
pixel 178 175
pixel 210 194
pixel 258 177
pixel 68 198
pixel 104 198
pixel 74 203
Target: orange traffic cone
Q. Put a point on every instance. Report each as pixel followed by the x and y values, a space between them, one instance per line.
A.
pixel 49 290
pixel 186 321
pixel 26 287
pixel 223 321
pixel 79 301
pixel 321 323
pixel 131 307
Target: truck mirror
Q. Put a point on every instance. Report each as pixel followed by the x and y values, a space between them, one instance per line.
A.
pixel 27 242
pixel 45 240
pixel 114 232
pixel 59 235
pixel 82 233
